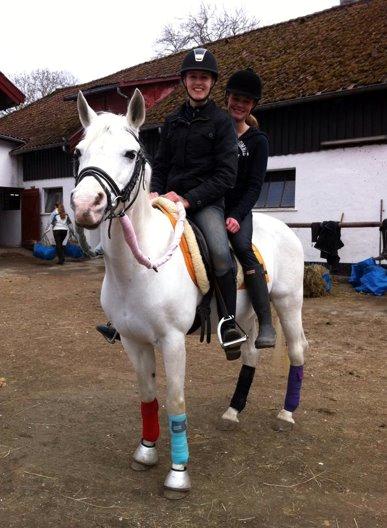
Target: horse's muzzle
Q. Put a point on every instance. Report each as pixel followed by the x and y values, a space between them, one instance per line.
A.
pixel 89 208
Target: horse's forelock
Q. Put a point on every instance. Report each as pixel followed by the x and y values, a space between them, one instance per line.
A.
pixel 106 123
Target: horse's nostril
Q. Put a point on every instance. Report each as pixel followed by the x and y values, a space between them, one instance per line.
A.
pixel 98 198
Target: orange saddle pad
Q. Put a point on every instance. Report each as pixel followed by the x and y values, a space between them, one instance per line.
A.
pixel 187 254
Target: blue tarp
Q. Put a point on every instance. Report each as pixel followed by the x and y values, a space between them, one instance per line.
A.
pixel 44 252
pixel 328 281
pixel 73 250
pixel 369 277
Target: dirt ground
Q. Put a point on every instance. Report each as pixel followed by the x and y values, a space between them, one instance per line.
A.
pixel 69 418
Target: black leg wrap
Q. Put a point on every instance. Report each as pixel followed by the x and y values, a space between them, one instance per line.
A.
pixel 246 376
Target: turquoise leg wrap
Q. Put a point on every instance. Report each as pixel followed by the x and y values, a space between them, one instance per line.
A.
pixel 179 444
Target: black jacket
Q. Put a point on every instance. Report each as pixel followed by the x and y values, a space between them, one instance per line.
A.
pixel 253 151
pixel 197 155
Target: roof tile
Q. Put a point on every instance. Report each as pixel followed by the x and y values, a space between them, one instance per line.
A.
pixel 333 50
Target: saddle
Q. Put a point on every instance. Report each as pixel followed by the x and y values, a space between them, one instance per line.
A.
pixel 197 259
pixel 195 250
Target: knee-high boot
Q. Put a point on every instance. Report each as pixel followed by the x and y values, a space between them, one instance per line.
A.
pixel 257 289
pixel 227 287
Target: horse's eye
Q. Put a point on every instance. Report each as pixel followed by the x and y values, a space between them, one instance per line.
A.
pixel 131 154
pixel 77 153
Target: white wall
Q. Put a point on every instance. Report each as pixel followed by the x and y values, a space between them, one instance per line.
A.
pixel 67 185
pixel 331 182
pixel 328 183
pixel 10 176
pixel 10 173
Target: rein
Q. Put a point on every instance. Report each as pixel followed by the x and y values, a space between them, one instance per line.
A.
pixel 111 188
pixel 131 240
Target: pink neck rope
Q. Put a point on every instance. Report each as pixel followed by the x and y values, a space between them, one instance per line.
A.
pixel 131 240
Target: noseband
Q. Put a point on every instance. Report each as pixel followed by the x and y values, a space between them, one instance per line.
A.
pixel 111 188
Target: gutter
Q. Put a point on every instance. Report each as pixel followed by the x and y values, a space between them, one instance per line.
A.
pixel 20 150
pixel 323 96
pixel 13 139
pixel 121 85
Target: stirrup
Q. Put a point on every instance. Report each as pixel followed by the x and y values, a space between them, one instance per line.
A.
pixel 112 339
pixel 235 343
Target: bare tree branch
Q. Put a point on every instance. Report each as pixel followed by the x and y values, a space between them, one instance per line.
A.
pixel 39 83
pixel 206 25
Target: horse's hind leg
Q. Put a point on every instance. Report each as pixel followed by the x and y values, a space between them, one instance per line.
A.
pixel 238 401
pixel 143 359
pixel 289 310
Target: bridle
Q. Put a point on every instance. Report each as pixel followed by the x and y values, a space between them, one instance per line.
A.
pixel 111 188
pixel 123 196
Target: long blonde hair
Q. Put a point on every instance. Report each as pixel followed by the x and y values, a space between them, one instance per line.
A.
pixel 61 211
pixel 252 121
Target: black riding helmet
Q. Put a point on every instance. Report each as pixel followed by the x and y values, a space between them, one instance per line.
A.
pixel 245 82
pixel 199 59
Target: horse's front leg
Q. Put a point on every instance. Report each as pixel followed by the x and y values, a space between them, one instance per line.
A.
pixel 143 359
pixel 177 484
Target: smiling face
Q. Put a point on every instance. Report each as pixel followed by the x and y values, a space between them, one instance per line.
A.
pixel 239 106
pixel 198 84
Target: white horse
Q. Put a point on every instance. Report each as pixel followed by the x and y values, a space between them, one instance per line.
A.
pixel 154 311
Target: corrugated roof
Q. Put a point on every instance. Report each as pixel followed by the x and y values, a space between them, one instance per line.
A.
pixel 334 50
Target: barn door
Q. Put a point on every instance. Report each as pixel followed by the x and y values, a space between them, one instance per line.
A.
pixel 30 216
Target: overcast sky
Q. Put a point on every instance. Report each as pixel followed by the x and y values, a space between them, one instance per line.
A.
pixel 93 38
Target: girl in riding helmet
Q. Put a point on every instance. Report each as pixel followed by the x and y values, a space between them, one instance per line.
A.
pixel 243 92
pixel 196 163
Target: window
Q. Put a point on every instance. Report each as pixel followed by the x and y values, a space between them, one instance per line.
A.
pixel 52 196
pixel 278 189
pixel 9 199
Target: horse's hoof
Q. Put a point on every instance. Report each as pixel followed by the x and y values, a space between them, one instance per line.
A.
pixel 174 494
pixel 144 457
pixel 229 420
pixel 137 466
pixel 284 421
pixel 177 484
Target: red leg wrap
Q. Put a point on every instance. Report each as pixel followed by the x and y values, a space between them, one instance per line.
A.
pixel 150 420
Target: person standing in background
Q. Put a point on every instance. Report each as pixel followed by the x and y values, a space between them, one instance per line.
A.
pixel 60 228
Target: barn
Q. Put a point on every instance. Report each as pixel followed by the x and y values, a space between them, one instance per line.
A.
pixel 324 108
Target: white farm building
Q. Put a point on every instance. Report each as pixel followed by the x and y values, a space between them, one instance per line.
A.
pixel 324 108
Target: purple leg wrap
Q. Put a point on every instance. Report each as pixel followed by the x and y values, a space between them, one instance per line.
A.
pixel 246 375
pixel 294 388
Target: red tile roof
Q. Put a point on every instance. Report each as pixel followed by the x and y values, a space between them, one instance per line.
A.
pixel 333 50
pixel 10 95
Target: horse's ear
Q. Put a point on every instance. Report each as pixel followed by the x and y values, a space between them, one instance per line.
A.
pixel 136 110
pixel 86 113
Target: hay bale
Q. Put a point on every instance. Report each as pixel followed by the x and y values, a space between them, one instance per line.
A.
pixel 314 284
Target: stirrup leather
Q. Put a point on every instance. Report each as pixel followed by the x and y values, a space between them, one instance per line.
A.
pixel 234 342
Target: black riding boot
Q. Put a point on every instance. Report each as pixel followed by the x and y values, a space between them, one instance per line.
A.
pixel 230 332
pixel 259 294
pixel 109 332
